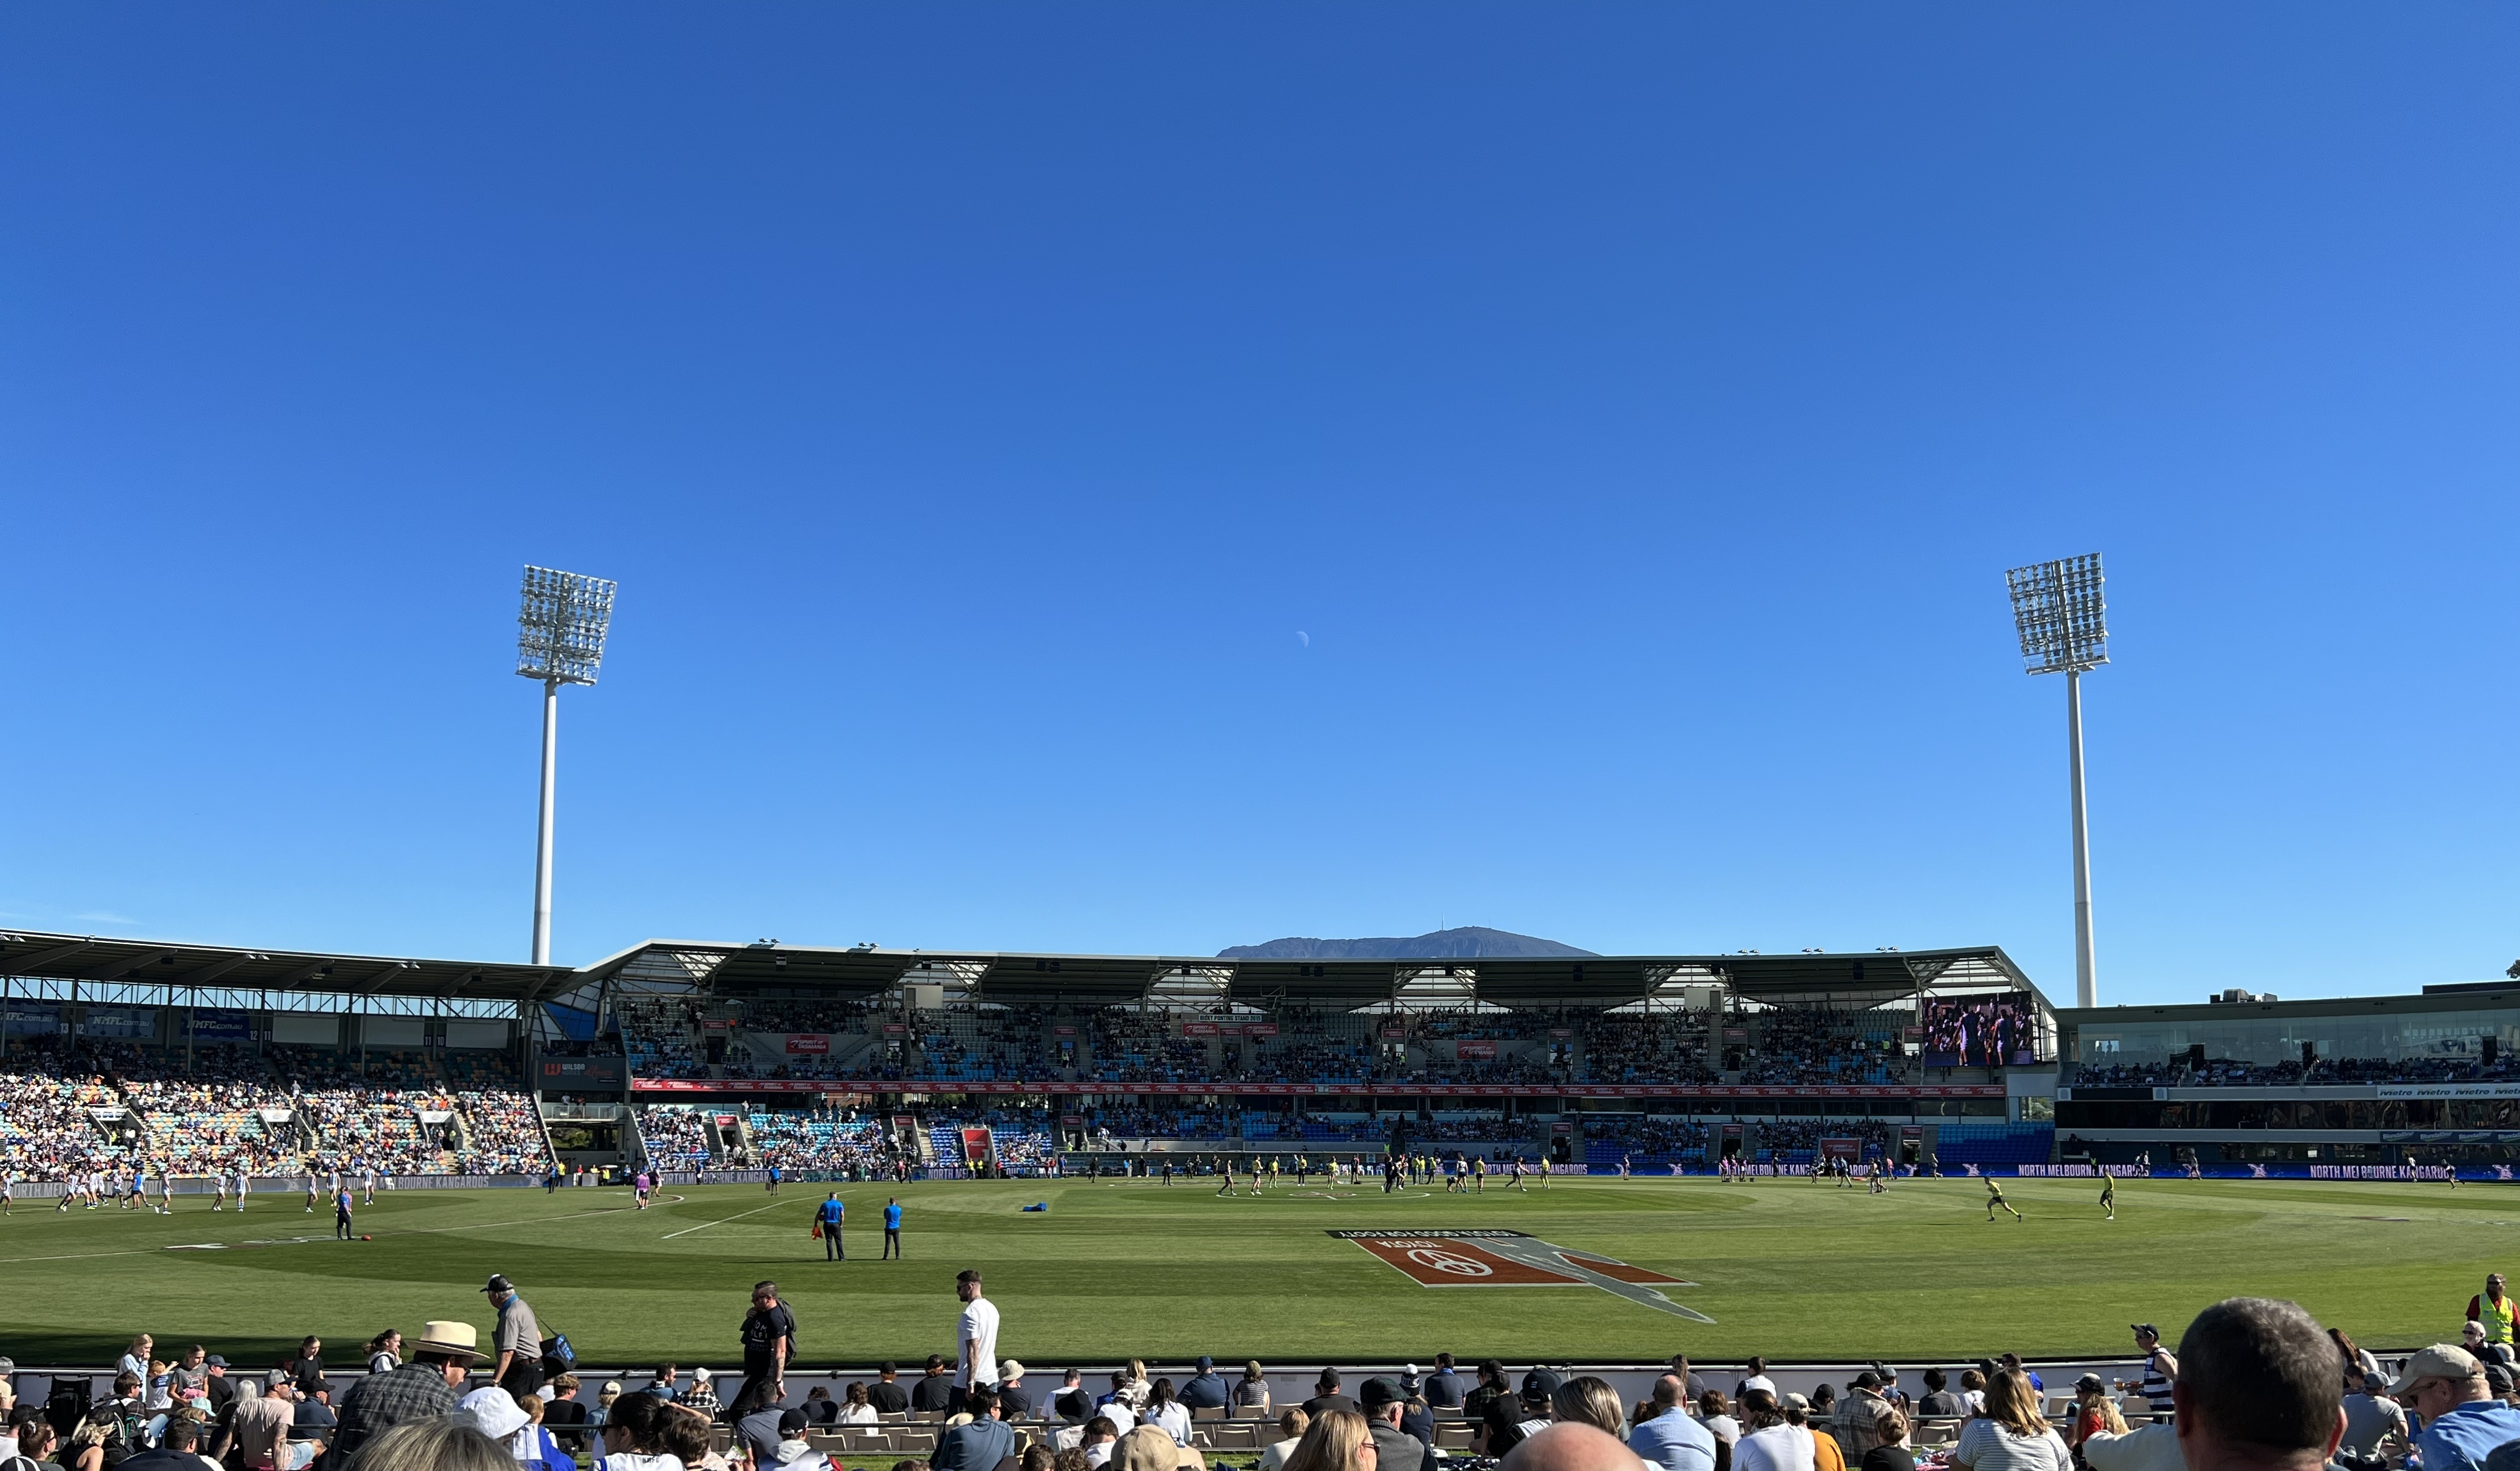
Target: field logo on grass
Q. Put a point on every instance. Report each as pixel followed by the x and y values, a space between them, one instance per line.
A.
pixel 1511 1259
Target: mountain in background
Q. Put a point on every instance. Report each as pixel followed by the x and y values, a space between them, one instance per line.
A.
pixel 1466 943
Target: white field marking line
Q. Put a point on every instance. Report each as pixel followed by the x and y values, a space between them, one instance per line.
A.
pixel 410 1231
pixel 721 1220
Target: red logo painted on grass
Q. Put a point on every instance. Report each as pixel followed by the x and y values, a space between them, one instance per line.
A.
pixel 1511 1259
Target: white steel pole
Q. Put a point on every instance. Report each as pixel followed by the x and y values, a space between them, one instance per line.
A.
pixel 551 763
pixel 2086 986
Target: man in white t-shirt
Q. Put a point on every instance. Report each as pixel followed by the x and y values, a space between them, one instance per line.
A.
pixel 978 1334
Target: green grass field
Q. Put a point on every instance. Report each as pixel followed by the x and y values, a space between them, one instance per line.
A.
pixel 1786 1269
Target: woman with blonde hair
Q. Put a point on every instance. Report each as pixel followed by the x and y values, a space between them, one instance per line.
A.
pixel 2094 1412
pixel 1337 1439
pixel 1251 1393
pixel 2011 1436
pixel 1587 1401
pixel 1134 1390
pixel 86 1448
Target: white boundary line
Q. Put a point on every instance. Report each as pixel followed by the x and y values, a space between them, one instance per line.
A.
pixel 721 1220
pixel 478 1226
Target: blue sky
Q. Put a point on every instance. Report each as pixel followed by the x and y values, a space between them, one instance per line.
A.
pixel 1155 478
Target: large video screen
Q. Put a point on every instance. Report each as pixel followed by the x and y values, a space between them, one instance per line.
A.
pixel 1981 1031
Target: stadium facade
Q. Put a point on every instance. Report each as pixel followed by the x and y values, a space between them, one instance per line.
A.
pixel 688 1055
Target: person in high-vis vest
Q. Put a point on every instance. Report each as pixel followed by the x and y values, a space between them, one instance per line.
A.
pixel 2496 1310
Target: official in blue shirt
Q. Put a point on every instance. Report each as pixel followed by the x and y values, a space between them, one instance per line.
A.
pixel 2463 1423
pixel 831 1213
pixel 1672 1439
pixel 892 1228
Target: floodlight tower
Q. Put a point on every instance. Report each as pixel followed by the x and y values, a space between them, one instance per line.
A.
pixel 559 640
pixel 2064 621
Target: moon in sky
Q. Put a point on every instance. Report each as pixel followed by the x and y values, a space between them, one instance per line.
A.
pixel 1306 637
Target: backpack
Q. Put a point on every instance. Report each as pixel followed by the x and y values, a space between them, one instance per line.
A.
pixel 126 1429
pixel 67 1408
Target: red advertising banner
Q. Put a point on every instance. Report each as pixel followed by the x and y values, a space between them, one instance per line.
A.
pixel 1063 1032
pixel 1562 1034
pixel 1395 1033
pixel 895 1029
pixel 1198 1028
pixel 1259 1029
pixel 1474 1051
pixel 816 1044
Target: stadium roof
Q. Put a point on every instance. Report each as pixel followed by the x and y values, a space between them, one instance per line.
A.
pixel 1010 977
pixel 1870 978
pixel 94 961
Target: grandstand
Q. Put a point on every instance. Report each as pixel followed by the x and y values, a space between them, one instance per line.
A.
pixel 204 1061
pixel 865 1063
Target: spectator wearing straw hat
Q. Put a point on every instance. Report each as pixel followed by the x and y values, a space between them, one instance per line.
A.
pixel 423 1388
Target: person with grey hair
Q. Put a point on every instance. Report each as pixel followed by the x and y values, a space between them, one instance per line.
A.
pixel 2259 1390
pixel 2463 1423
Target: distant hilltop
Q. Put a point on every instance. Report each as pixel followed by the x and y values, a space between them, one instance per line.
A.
pixel 1467 943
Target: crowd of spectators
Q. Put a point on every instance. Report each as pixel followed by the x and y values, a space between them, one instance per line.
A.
pixel 2253 1385
pixel 675 1137
pixel 2216 1072
pixel 225 1109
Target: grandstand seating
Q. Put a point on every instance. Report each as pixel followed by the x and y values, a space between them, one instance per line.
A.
pixel 204 1114
pixel 674 1138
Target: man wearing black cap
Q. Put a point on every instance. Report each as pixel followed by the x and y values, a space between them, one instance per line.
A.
pixel 1538 1385
pixel 2160 1371
pixel 1394 1450
pixel 1861 1416
pixel 518 1340
pixel 1326 1397
pixel 1206 1388
pixel 886 1394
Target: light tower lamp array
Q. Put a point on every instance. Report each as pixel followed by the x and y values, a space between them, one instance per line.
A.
pixel 559 640
pixel 2064 621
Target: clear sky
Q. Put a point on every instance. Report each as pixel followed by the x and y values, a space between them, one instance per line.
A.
pixel 1153 477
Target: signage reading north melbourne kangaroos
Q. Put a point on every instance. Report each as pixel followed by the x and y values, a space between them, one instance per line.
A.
pixel 1511 1259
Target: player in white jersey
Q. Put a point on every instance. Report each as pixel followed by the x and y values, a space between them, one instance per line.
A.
pixel 7 1191
pixel 311 1192
pixel 94 1189
pixel 242 1186
pixel 370 1180
pixel 219 1185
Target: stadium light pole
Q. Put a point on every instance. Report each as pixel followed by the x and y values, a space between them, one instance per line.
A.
pixel 559 640
pixel 2064 621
